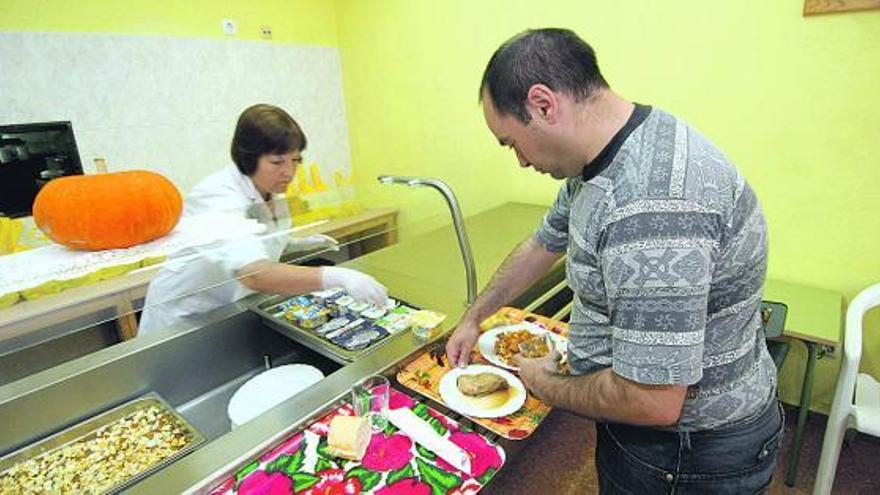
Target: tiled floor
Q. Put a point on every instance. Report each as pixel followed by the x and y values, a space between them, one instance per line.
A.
pixel 559 461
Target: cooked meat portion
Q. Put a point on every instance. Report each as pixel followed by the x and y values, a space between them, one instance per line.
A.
pixel 480 384
pixel 535 347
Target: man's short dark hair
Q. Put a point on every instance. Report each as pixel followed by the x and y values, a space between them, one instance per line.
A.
pixel 557 58
pixel 264 129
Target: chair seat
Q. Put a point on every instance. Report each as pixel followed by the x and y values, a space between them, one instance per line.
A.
pixel 866 410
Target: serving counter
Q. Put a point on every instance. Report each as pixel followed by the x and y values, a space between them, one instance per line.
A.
pixel 197 370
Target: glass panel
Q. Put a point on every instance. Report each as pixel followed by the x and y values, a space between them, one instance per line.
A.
pixel 208 262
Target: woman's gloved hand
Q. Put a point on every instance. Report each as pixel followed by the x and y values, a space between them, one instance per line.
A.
pixel 310 242
pixel 358 285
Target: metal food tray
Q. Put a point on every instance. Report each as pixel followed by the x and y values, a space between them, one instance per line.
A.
pixel 313 341
pixel 89 427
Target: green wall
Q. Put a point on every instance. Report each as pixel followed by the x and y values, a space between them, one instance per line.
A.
pixel 310 22
pixel 792 100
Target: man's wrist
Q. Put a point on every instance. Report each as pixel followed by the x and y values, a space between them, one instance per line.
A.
pixel 540 384
pixel 467 323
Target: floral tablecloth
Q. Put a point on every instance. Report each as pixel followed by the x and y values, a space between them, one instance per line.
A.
pixel 423 375
pixel 393 464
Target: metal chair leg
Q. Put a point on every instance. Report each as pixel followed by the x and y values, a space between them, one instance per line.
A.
pixel 806 395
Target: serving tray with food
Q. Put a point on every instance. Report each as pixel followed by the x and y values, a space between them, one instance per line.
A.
pixel 482 390
pixel 334 324
pixel 103 454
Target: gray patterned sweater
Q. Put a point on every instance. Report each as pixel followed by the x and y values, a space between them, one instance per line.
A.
pixel 666 255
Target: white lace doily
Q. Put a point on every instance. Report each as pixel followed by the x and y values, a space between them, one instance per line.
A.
pixel 28 269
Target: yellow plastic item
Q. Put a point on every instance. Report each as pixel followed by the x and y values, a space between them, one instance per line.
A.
pixel 10 232
pixel 425 323
pixel 7 300
pixel 317 182
pixel 311 199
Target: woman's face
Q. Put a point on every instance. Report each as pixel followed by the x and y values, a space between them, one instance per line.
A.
pixel 274 172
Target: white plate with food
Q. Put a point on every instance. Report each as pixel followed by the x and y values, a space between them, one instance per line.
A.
pixel 500 344
pixel 482 391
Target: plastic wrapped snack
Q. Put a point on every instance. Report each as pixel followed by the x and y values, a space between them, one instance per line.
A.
pixel 373 312
pixel 291 313
pixel 358 307
pixel 344 301
pixel 303 300
pixel 361 337
pixel 334 324
pixel 396 320
pixel 288 305
pixel 328 295
pixel 312 317
pixel 336 334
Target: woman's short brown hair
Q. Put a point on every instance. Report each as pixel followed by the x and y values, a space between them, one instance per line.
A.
pixel 264 129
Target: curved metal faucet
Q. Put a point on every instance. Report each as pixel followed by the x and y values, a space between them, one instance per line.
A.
pixel 457 220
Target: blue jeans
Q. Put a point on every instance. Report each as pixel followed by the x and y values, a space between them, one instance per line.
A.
pixel 737 459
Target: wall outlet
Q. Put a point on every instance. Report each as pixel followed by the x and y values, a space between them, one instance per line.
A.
pixel 266 32
pixel 228 26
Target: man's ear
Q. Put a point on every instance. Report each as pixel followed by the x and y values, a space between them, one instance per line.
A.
pixel 542 103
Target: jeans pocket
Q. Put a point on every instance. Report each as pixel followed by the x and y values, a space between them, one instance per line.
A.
pixel 735 466
pixel 771 446
pixel 636 462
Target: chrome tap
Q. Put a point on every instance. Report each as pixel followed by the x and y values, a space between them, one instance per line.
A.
pixel 457 221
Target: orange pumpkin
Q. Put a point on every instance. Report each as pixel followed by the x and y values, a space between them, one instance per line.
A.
pixel 107 211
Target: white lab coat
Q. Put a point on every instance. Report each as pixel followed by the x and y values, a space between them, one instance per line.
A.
pixel 203 279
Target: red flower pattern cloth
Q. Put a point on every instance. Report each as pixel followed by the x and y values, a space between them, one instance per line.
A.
pixel 393 464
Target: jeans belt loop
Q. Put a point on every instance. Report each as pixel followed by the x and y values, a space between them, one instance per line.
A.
pixel 685 441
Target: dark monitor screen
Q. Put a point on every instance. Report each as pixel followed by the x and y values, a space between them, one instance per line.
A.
pixel 30 156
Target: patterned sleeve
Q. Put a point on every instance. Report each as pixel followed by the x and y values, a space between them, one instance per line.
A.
pixel 553 231
pixel 658 258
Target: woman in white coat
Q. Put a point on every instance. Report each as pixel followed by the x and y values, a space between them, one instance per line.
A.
pixel 266 149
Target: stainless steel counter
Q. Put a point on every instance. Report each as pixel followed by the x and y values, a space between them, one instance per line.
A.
pixel 197 370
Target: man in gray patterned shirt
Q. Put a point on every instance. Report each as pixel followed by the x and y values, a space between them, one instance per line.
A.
pixel 666 256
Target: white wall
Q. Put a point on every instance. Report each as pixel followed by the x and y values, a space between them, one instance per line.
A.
pixel 170 104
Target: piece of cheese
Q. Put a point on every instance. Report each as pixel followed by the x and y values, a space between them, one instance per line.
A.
pixel 349 437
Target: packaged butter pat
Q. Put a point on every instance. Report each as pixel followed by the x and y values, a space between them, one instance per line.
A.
pixel 292 313
pixel 397 320
pixel 312 317
pixel 344 301
pixel 424 322
pixel 293 302
pixel 349 437
pixel 373 312
pixel 358 306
